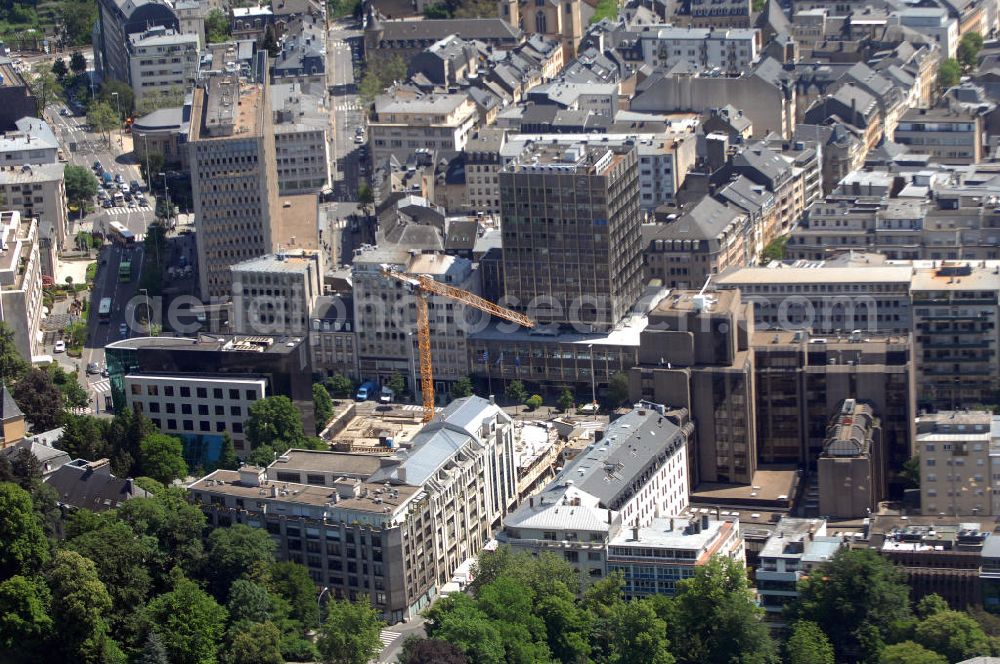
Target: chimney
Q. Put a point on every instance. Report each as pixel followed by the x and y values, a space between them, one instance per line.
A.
pixel 635 533
pixel 274 490
pixel 704 521
pixel 531 501
pixel 609 517
pixel 671 524
pixel 493 399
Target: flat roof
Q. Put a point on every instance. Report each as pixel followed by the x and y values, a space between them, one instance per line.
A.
pixel 298 223
pixel 295 262
pixel 217 343
pixel 326 462
pixel 819 274
pixel 660 534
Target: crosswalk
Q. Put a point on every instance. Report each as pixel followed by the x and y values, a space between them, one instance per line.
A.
pixel 348 106
pixel 388 638
pixel 101 386
pixel 412 407
pixel 121 210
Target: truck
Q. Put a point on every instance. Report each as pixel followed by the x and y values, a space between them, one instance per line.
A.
pixel 366 391
pixel 386 395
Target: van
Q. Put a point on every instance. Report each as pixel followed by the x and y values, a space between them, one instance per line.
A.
pixel 118 199
pixel 386 395
pixel 366 391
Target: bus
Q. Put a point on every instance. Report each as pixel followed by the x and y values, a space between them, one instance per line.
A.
pixel 125 271
pixel 121 235
pixel 104 310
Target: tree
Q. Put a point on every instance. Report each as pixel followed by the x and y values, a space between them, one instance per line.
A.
pixel 461 388
pixel 23 547
pixel 369 88
pixel 150 166
pixel 262 456
pixel 397 384
pixel 248 601
pixel 968 50
pixel 235 551
pixel 565 400
pixel 515 391
pixel 930 605
pixel 40 400
pixel 79 604
pixel 366 198
pixel 77 62
pixel 855 590
pixel 258 643
pixel 910 473
pixel 12 366
pixel 162 458
pixel 618 391
pixel 83 437
pixel 716 618
pixel 430 651
pixel 606 9
pixel 24 616
pixel 808 645
pixel 953 634
pixel 78 18
pixel 46 89
pixel 639 636
pixel 350 634
pixel 59 69
pixel 534 402
pixel 81 185
pixel 216 27
pixel 174 523
pixel 227 457
pixel 949 73
pixel 125 103
pixel 153 650
pixel 775 250
pixel 457 620
pixel 322 406
pixel 909 652
pixel 340 385
pixel 189 621
pixel 102 118
pixel 275 422
pixel 291 581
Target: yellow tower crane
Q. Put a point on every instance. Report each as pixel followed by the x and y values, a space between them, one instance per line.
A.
pixel 424 286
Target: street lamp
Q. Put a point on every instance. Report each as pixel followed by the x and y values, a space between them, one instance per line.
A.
pixel 149 313
pixel 593 382
pixel 118 107
pixel 166 194
pixel 319 601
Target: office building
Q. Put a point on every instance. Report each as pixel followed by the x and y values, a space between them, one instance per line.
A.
pixel 404 123
pixel 694 355
pixel 38 192
pixel 483 162
pixel 117 20
pixel 634 474
pixel 276 294
pixel 163 66
pixel 391 528
pixel 333 338
pixel 956 464
pixel 21 282
pixel 263 366
pixel 950 134
pixel 233 178
pixel 653 559
pixel 851 469
pixel 705 49
pixel 32 142
pixel 795 548
pixel 301 137
pixel 571 235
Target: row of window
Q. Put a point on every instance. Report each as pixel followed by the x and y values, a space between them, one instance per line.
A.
pixel 184 391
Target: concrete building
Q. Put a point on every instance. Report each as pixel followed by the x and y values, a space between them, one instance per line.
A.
pixel 950 135
pixel 385 317
pixel 957 458
pixel 191 15
pixel 163 66
pixel 386 38
pixel 233 176
pixel 935 23
pixel 333 338
pixel 282 363
pixel 301 137
pixel 276 294
pixel 402 124
pixel 117 20
pixel 391 529
pixel 16 100
pixel 730 51
pixel 483 162
pixel 789 555
pixel 654 558
pixel 636 473
pixel 32 142
pixel 38 192
pixel 694 355
pixel 21 282
pixel 581 267
pixel 164 132
pixel 852 468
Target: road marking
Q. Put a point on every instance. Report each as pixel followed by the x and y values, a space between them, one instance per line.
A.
pixel 388 638
pixel 101 386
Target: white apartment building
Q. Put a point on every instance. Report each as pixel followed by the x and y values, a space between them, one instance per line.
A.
pixel 435 122
pixel 933 22
pixel 956 463
pixel 635 473
pixel 275 294
pixel 301 137
pixel 37 192
pixel 21 281
pixel 190 407
pixel 163 65
pixel 385 316
pixel 730 50
pixel 795 548
pixel 33 142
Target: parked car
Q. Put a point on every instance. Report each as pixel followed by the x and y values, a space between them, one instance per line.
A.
pixel 143 202
pixel 118 178
pixel 97 166
pixel 135 185
pixel 93 368
pixel 123 330
pixel 60 346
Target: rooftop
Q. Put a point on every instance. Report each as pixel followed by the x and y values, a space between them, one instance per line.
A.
pixel 297 227
pixel 299 262
pixel 225 106
pixel 213 343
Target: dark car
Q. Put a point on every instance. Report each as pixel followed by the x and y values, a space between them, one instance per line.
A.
pixel 135 185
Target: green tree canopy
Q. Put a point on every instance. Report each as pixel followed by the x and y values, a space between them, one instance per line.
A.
pixel 340 385
pixel 103 118
pixel 45 88
pixel 968 49
pixel 125 103
pixel 12 366
pixel 40 400
pixel 322 405
pixel 515 391
pixel 25 623
pixel 79 604
pixel 949 73
pixel 909 652
pixel 77 62
pixel 565 400
pixel 291 581
pixel 216 27
pixel 174 523
pixel 275 422
pixel 397 384
pixel 236 551
pixel 618 389
pixel 189 621
pixel 461 388
pixel 954 635
pixel 350 634
pixel 930 605
pixel 855 590
pixel 162 458
pixel 534 402
pixel 153 650
pixel 59 69
pixel 430 651
pixel 257 643
pixel 807 644
pixel 23 547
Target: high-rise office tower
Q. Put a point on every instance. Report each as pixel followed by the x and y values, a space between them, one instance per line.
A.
pixel 571 234
pixel 233 175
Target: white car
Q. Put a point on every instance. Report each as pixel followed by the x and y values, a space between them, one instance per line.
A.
pixel 123 330
pixel 60 346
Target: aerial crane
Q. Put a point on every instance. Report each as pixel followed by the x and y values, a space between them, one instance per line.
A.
pixel 424 287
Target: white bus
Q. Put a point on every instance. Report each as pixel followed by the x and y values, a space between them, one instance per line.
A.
pixel 104 310
pixel 120 234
